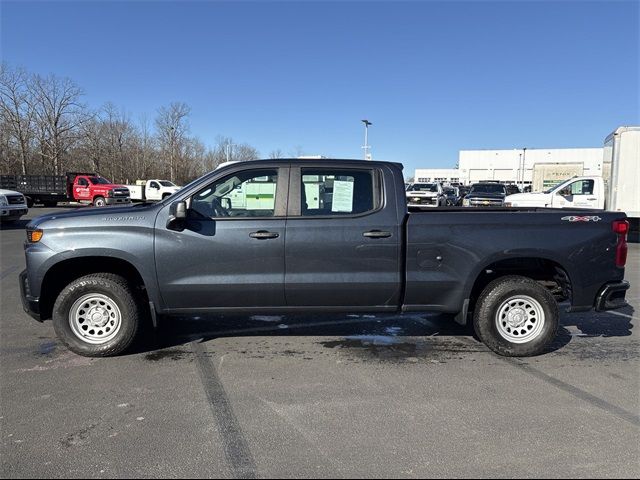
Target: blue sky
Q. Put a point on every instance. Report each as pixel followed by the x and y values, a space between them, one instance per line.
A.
pixel 433 77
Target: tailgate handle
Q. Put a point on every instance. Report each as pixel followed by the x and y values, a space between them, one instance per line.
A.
pixel 264 235
pixel 591 198
pixel 376 234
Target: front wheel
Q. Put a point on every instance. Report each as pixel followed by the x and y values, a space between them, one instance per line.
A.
pixel 516 317
pixel 97 315
pixel 99 202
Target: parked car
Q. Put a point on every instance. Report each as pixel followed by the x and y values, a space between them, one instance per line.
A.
pixel 99 273
pixel 451 196
pixel 73 186
pixel 427 194
pixel 485 195
pixel 512 189
pixel 463 191
pixel 12 206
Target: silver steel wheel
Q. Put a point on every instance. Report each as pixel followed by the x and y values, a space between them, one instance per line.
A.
pixel 95 318
pixel 520 319
pixel 100 202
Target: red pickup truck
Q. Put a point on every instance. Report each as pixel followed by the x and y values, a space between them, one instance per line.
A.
pixel 73 186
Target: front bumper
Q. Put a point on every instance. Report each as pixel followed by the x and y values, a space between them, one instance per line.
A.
pixel 423 201
pixel 12 211
pixel 30 304
pixel 117 200
pixel 612 296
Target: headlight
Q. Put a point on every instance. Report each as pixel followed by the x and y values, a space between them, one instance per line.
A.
pixel 110 193
pixel 3 201
pixel 465 203
pixel 508 204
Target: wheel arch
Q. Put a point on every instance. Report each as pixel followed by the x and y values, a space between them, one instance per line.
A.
pixel 60 274
pixel 542 268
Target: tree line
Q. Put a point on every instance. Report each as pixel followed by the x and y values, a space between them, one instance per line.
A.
pixel 46 128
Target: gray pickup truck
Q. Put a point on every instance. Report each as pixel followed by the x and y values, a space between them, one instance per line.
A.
pixel 324 236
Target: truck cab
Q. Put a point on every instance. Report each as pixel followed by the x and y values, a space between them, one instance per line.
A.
pixel 152 190
pixel 98 191
pixel 577 192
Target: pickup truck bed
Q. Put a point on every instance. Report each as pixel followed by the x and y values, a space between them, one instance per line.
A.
pixel 326 235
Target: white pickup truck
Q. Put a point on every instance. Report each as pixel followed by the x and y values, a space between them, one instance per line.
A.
pixel 615 189
pixel 151 190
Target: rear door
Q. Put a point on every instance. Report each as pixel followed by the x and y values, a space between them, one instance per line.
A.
pixel 343 239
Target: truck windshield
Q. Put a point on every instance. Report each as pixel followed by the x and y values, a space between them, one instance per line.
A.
pixel 99 181
pixel 488 188
pixel 423 187
pixel 167 183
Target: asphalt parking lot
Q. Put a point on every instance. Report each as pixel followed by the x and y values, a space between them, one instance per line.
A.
pixel 318 396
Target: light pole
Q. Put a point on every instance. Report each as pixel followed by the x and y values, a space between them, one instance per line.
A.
pixel 524 152
pixel 228 149
pixel 366 147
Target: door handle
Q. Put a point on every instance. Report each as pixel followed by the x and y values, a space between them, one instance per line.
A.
pixel 376 234
pixel 263 235
pixel 591 199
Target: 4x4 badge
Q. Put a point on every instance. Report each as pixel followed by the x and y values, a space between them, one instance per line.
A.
pixel 575 218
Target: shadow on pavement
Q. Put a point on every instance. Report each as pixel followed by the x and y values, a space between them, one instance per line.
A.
pixel 16 225
pixel 390 331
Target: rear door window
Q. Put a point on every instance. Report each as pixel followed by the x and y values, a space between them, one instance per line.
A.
pixel 337 192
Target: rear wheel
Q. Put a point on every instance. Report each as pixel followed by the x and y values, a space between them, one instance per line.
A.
pixel 50 204
pixel 29 202
pixel 99 202
pixel 516 317
pixel 97 315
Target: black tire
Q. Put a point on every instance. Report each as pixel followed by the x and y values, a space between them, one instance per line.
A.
pixel 165 195
pixel 493 301
pixel 99 202
pixel 29 202
pixel 117 289
pixel 50 204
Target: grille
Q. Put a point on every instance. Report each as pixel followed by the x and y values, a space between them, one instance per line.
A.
pixel 120 192
pixel 486 202
pixel 15 199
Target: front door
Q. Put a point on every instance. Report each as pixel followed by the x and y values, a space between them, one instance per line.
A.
pixel 81 189
pixel 231 253
pixel 343 241
pixel 578 194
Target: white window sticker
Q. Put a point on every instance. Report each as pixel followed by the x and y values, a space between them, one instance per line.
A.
pixel 342 196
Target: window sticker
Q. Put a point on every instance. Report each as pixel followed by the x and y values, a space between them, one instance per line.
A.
pixel 342 196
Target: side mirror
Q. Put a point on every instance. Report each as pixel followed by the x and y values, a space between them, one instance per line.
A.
pixel 177 215
pixel 225 202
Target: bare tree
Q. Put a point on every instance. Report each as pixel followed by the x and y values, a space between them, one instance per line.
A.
pixel 297 151
pixel 17 110
pixel 58 113
pixel 172 127
pixel 277 153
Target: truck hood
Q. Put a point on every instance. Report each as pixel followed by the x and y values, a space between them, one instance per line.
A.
pixel 533 199
pixel 8 192
pixel 102 216
pixel 422 194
